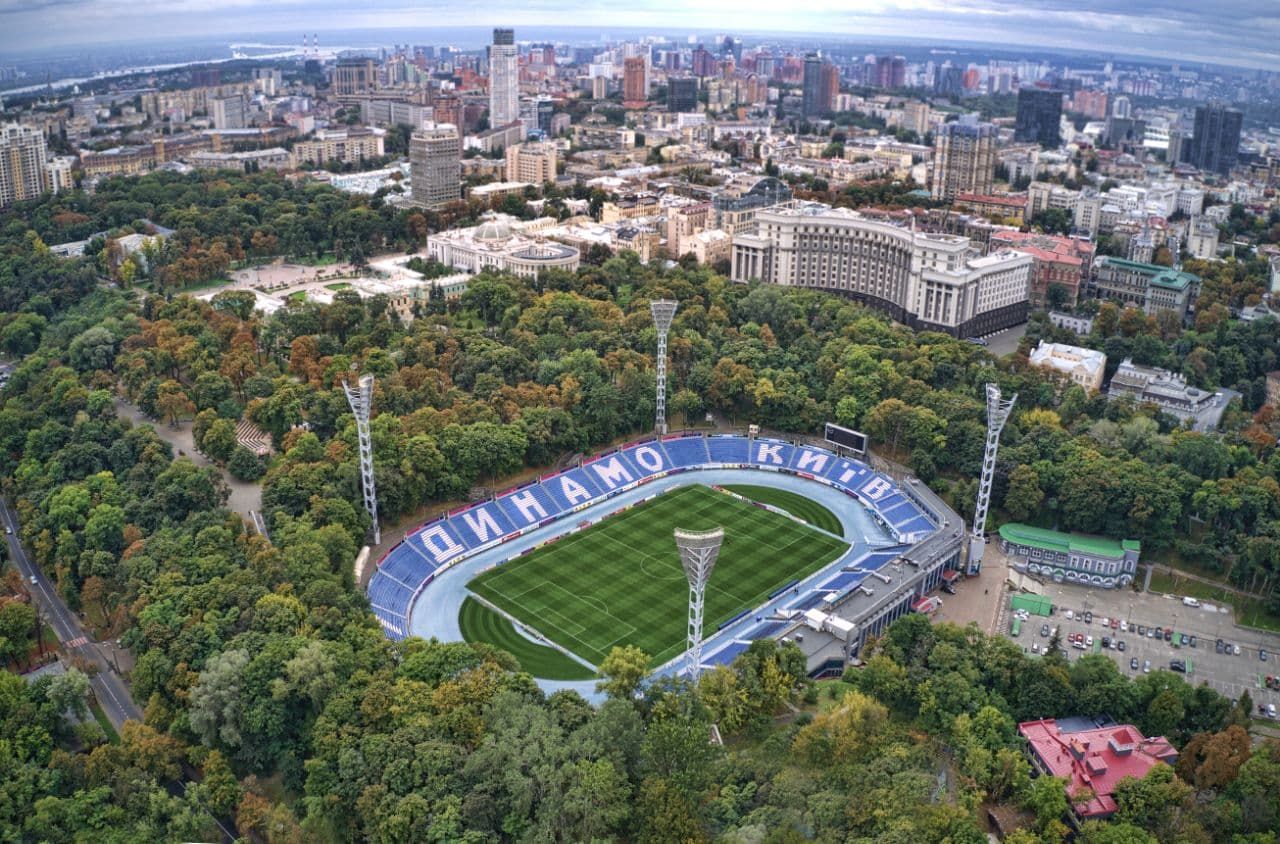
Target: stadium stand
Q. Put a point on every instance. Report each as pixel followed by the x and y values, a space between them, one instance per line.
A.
pixel 409 566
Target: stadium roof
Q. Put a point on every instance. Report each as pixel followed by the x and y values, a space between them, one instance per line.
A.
pixel 1052 540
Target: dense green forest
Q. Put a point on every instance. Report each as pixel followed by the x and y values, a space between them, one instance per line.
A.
pixel 264 675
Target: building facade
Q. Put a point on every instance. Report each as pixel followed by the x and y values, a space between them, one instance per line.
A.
pixel 355 77
pixel 23 174
pixel 498 244
pixel 228 112
pixel 964 160
pixel 435 160
pixel 927 281
pixel 1083 366
pixel 1150 287
pixel 1071 557
pixel 1061 262
pixel 1039 117
pixel 534 163
pixel 1215 141
pixel 348 146
pixel 1166 390
pixel 682 94
pixel 504 78
pixel 635 82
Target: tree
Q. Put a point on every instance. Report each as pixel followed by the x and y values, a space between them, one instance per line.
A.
pixel 217 703
pixel 622 671
pixel 1024 495
pixel 172 402
pixel 17 629
pixel 219 441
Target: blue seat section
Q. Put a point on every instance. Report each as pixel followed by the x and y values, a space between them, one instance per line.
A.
pixel 764 451
pixel 406 566
pixel 495 526
pixel 876 559
pixel 837 469
pixel 540 494
pixel 902 511
pixel 552 490
pixel 654 455
pixel 765 630
pixel 919 523
pixel 686 451
pixel 808 601
pixel 389 596
pixel 817 460
pixel 392 625
pixel 727 449
pixel 888 502
pixel 600 470
pixel 727 654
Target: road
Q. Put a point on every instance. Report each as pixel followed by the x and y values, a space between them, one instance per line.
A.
pixel 111 691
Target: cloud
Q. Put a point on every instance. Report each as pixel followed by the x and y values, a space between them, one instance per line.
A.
pixel 1227 31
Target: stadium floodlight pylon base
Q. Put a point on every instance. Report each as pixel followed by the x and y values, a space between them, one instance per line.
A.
pixel 998 410
pixel 698 554
pixel 663 310
pixel 361 400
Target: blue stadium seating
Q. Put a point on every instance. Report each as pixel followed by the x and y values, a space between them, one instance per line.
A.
pixel 919 523
pixel 640 469
pixel 406 565
pixel 502 525
pixel 727 449
pixel 783 450
pixel 686 451
pixel 556 502
pixel 726 655
pixel 839 467
pixel 765 630
pixel 902 511
pixel 389 596
pixel 541 494
pixel 844 579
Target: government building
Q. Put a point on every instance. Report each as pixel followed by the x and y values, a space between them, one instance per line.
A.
pixel 933 282
pixel 1070 557
pixel 500 244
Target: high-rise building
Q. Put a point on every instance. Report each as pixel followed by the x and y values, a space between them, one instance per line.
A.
pixel 964 159
pixel 635 89
pixel 812 86
pixel 435 160
pixel 504 78
pixel 533 163
pixel 890 72
pixel 1039 117
pixel 22 166
pixel 1215 142
pixel 682 94
pixel 228 112
pixel 355 77
pixel 704 64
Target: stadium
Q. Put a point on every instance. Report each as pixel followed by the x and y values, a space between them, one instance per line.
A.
pixel 819 549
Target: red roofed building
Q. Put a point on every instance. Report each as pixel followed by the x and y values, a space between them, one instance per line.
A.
pixel 1059 260
pixel 1094 761
pixel 1009 207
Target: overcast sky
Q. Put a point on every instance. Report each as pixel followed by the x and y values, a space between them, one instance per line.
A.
pixel 1237 32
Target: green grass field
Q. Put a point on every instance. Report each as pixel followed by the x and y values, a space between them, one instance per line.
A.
pixel 481 624
pixel 620 582
pixel 794 503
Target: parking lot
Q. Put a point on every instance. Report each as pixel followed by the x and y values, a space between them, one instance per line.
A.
pixel 1228 673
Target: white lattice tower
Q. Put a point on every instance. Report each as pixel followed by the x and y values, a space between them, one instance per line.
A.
pixel 663 310
pixel 698 553
pixel 998 410
pixel 361 400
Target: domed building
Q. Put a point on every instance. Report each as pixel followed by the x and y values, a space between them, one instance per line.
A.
pixel 501 243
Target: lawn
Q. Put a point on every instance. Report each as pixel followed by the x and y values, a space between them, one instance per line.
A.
pixel 481 624
pixel 1251 612
pixel 794 503
pixel 620 581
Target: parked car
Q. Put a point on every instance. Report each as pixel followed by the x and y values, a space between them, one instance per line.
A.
pixel 1219 647
pixel 1088 617
pixel 1133 663
pixel 1262 654
pixel 1044 630
pixel 1235 649
pixel 1070 615
pixel 1124 627
pixel 1168 635
pixel 948 588
pixel 1157 632
pixel 1182 639
pixel 1115 624
pixel 1106 642
pixel 1146 666
pixel 1178 665
pixel 1192 641
pixel 1120 646
pixel 1088 641
pixel 1142 629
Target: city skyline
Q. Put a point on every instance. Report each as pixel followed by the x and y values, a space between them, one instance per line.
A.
pixel 1237 33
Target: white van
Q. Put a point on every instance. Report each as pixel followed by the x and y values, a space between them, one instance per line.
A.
pixel 1190 602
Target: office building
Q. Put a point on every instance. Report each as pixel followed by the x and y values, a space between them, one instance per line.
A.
pixel 59 170
pixel 928 281
pixel 504 78
pixel 228 112
pixel 1150 287
pixel 531 163
pixel 1071 557
pixel 1039 117
pixel 811 93
pixel 1215 141
pixel 1093 761
pixel 347 146
pixel 355 77
pixel 501 243
pixel 23 174
pixel 435 158
pixel 889 72
pixel 682 94
pixel 1083 366
pixel 635 82
pixel 1061 262
pixel 378 111
pixel 1202 239
pixel 1169 392
pixel 964 159
pixel 703 64
pixel 734 206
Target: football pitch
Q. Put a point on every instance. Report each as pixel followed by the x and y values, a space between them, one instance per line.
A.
pixel 620 582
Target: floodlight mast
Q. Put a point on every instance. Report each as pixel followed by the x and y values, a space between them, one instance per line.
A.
pixel 663 310
pixel 998 411
pixel 361 400
pixel 698 553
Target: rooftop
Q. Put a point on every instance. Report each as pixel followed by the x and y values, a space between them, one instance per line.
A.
pixel 1053 540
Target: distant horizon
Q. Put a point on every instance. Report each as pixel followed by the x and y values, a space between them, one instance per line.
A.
pixel 1235 34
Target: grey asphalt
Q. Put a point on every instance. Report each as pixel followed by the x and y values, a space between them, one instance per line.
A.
pixel 110 690
pixel 1228 674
